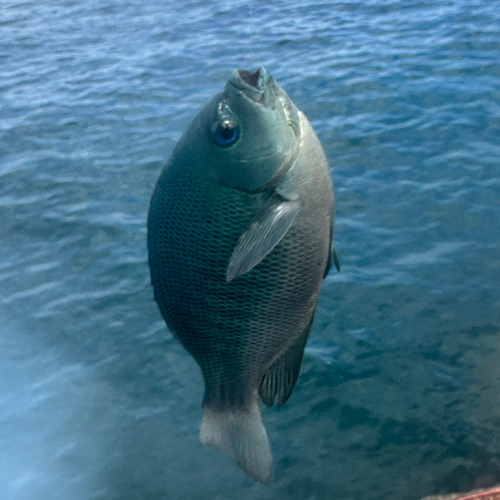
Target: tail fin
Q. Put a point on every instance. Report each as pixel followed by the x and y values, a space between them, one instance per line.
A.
pixel 240 433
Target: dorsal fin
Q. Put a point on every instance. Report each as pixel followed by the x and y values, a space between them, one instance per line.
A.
pixel 332 258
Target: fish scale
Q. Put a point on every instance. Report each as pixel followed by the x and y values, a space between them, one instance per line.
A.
pixel 245 315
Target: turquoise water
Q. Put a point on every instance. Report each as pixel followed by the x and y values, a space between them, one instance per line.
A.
pixel 399 395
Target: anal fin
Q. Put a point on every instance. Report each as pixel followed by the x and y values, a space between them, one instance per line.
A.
pixel 280 378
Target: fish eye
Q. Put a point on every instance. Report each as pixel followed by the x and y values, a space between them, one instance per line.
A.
pixel 226 133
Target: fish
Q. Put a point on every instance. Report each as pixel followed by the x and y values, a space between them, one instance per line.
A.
pixel 240 238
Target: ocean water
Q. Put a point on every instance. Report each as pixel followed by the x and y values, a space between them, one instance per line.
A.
pixel 399 395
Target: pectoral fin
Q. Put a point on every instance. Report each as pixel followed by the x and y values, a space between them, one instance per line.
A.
pixel 264 233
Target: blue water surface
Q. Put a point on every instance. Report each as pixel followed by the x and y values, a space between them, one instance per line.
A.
pixel 399 395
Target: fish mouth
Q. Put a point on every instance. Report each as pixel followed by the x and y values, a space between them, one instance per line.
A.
pixel 254 79
pixel 255 85
pixel 260 88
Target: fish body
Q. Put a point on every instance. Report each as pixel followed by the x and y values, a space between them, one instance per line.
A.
pixel 239 240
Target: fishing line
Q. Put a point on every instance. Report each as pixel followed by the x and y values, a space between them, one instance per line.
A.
pixel 251 52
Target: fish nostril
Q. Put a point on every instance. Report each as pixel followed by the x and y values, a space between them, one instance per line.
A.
pixel 254 79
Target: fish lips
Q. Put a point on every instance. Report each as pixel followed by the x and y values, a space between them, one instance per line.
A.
pixel 259 86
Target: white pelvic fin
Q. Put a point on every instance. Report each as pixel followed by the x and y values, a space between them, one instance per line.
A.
pixel 242 434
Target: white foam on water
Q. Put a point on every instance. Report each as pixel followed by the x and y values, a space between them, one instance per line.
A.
pixel 54 423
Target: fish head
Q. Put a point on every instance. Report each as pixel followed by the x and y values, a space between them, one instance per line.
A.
pixel 252 132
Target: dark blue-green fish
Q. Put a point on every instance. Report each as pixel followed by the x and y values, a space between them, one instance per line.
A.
pixel 240 239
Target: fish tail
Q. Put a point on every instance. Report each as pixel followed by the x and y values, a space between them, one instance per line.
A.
pixel 240 433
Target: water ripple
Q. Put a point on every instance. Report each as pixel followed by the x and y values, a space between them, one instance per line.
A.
pixel 401 377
